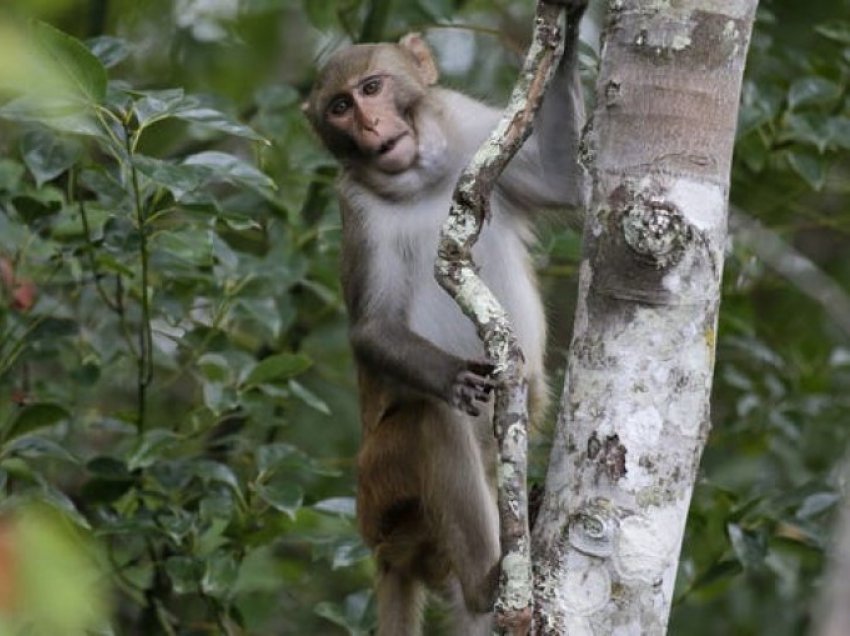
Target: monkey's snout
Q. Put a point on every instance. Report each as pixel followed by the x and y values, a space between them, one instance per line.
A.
pixel 389 144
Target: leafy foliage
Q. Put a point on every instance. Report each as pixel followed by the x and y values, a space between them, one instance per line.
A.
pixel 174 374
pixel 161 355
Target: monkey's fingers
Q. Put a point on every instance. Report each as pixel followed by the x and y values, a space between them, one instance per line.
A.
pixel 483 368
pixel 472 410
pixel 476 383
pixel 465 402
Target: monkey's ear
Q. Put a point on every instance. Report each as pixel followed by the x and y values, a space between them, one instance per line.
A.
pixel 416 45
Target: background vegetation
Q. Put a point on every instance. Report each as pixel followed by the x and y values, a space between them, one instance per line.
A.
pixel 177 410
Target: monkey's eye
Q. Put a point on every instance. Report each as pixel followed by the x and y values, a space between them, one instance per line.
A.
pixel 372 86
pixel 340 106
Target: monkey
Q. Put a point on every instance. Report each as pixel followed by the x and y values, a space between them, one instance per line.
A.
pixel 426 501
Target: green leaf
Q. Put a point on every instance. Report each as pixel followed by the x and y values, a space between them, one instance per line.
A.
pixel 61 502
pixel 10 174
pixel 750 547
pixel 349 552
pixel 838 129
pixel 219 398
pixel 59 113
pixel 216 504
pixel 263 315
pixel 154 106
pixel 79 65
pixel 356 614
pixel 271 456
pixel 177 523
pixel 220 575
pixel 812 90
pixel 150 448
pixel 180 180
pixel 837 30
pixel 184 573
pixel 37 448
pixel 215 368
pixel 184 249
pixel 717 572
pixel 107 467
pixel 35 416
pixel 278 367
pixel 808 128
pixel 231 169
pixel 279 456
pixel 308 397
pixel 810 167
pixel 343 506
pixel 36 204
pixel 815 504
pixel 47 155
pixel 216 120
pixel 211 471
pixel 110 50
pixel 283 496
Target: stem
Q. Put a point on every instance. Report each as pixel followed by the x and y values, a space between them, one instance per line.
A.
pixel 145 362
pixel 90 249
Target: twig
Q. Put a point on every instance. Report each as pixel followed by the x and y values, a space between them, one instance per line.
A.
pixel 145 358
pixel 456 272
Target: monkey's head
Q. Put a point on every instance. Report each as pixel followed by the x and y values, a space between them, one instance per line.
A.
pixel 363 102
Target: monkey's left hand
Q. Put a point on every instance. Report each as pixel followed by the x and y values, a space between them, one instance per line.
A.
pixel 472 385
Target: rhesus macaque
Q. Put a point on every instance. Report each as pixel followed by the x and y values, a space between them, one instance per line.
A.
pixel 426 501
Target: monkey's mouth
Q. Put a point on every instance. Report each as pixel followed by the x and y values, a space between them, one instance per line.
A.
pixel 388 145
pixel 396 154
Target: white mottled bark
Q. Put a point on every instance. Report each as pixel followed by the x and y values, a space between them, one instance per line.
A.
pixel 635 409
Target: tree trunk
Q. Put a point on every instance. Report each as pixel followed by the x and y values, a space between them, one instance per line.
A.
pixel 635 408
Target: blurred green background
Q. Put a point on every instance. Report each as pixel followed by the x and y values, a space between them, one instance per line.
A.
pixel 169 236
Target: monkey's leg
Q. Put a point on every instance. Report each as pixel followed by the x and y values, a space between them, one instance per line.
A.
pixel 460 503
pixel 464 621
pixel 400 601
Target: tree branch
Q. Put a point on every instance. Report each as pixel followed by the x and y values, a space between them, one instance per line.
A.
pixel 457 273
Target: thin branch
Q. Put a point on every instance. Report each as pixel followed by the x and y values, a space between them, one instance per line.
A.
pixel 145 357
pixel 792 265
pixel 73 193
pixel 457 273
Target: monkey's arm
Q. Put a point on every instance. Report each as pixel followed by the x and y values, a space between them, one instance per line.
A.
pixel 546 172
pixel 393 350
pixel 380 336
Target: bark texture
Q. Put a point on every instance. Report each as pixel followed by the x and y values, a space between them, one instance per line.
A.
pixel 635 408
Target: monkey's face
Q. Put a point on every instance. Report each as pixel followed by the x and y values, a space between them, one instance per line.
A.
pixel 368 113
pixel 365 100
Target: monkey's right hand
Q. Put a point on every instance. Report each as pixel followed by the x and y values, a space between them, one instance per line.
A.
pixel 473 385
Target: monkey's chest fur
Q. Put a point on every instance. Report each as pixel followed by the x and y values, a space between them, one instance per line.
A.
pixel 403 247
